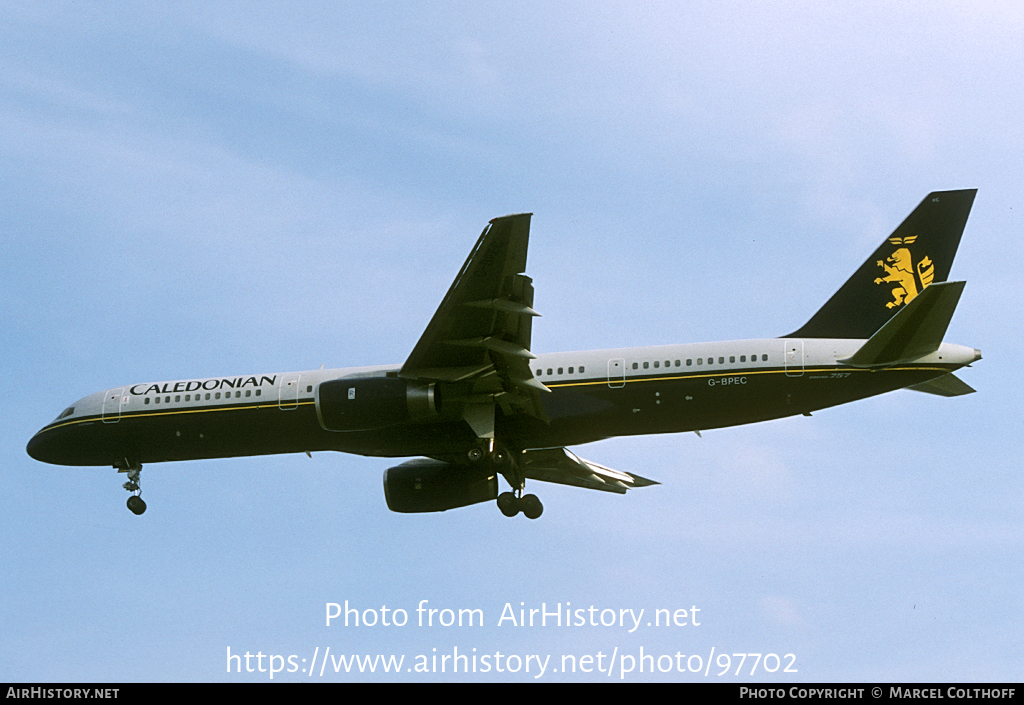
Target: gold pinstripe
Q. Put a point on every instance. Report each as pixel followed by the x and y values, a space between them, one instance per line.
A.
pixel 741 373
pixel 175 412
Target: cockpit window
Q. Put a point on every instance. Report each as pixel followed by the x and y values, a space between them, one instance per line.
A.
pixel 66 413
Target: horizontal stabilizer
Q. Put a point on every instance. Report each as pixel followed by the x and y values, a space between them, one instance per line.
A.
pixel 560 466
pixel 914 332
pixel 945 386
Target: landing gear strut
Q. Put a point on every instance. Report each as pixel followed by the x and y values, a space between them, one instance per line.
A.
pixel 134 470
pixel 502 460
pixel 511 503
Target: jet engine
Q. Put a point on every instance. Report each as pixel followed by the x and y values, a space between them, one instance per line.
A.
pixel 426 485
pixel 362 404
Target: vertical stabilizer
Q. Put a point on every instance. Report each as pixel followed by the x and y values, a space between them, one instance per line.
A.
pixel 918 253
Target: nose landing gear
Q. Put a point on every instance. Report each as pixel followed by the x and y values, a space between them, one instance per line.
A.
pixel 135 503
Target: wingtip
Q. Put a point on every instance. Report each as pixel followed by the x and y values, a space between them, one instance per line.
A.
pixel 639 481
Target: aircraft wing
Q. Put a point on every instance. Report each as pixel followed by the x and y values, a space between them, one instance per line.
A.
pixel 479 338
pixel 560 466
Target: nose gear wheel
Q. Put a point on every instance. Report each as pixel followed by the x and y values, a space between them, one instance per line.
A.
pixel 136 505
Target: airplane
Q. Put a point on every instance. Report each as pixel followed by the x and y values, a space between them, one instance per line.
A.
pixel 473 402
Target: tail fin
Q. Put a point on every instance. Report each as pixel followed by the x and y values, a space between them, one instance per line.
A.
pixel 919 252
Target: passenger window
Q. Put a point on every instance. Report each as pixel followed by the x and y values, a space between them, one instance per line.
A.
pixel 559 370
pixel 549 371
pixel 721 361
pixel 636 366
pixel 570 370
pixel 217 395
pixel 656 364
pixel 207 396
pixel 732 358
pixel 581 369
pixel 764 358
pixel 647 365
pixel 678 363
pixel 258 393
pixel 700 360
pixel 689 362
pixel 146 401
pixel 248 392
pixel 177 397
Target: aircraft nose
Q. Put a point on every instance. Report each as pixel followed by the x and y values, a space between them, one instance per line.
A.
pixel 53 446
pixel 977 354
pixel 35 448
pixel 40 448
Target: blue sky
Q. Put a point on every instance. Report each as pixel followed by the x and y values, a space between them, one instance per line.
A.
pixel 206 189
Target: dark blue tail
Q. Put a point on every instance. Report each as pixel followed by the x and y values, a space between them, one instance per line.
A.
pixel 918 253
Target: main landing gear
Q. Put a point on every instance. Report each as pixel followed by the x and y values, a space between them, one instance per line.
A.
pixel 510 505
pixel 134 470
pixel 503 460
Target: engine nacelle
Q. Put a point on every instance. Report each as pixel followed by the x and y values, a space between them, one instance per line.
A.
pixel 426 485
pixel 365 403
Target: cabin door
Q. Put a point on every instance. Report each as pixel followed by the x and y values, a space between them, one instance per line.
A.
pixel 289 394
pixel 617 373
pixel 793 352
pixel 112 405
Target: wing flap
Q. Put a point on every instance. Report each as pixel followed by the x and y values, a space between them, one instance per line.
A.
pixel 560 466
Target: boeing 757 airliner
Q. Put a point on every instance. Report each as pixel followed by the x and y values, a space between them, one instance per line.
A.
pixel 476 403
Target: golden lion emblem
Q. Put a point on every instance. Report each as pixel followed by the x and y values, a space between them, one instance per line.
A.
pixel 899 269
